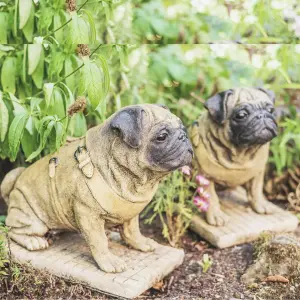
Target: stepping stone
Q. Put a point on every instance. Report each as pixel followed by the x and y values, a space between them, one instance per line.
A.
pixel 244 224
pixel 69 257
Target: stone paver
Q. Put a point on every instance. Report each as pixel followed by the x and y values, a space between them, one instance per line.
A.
pixel 69 257
pixel 244 225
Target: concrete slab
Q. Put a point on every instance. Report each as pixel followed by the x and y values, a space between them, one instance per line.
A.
pixel 244 225
pixel 69 257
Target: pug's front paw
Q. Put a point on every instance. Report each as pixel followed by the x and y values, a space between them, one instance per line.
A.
pixel 144 244
pixel 263 207
pixel 111 263
pixel 216 217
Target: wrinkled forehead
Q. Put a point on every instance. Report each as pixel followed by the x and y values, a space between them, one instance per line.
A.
pixel 253 96
pixel 160 115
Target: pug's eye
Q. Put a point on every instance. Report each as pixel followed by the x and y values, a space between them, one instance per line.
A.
pixel 241 115
pixel 162 137
pixel 270 109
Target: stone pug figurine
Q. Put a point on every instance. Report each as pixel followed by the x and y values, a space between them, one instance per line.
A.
pixel 108 177
pixel 231 144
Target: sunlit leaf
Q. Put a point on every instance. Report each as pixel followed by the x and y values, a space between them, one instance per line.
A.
pixel 48 90
pixel 3 26
pixel 8 74
pixel 29 27
pixel 38 73
pixel 35 53
pixel 24 12
pixel 15 133
pixel 4 118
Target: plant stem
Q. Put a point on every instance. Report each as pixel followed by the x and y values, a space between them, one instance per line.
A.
pixel 69 74
pixel 63 25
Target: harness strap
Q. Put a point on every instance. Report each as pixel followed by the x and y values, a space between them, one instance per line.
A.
pixel 84 161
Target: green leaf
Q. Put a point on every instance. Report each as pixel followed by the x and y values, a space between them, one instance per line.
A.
pixel 77 125
pixel 57 104
pixel 59 128
pixel 91 81
pixel 24 12
pixel 38 74
pixel 48 90
pixel 8 75
pixel 78 30
pixel 35 53
pixel 15 134
pixel 4 118
pixel 91 22
pixel 58 21
pixel 29 142
pixel 29 27
pixel 18 108
pixel 70 65
pixel 44 133
pixel 3 26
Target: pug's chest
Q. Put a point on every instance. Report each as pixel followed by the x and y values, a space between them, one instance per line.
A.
pixel 230 173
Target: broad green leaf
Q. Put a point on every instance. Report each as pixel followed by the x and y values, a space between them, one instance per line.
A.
pixel 78 30
pixel 24 12
pixel 4 118
pixel 58 20
pixel 16 19
pixel 91 81
pixel 57 104
pixel 8 74
pixel 38 74
pixel 44 133
pixel 70 65
pixel 17 105
pixel 15 134
pixel 91 21
pixel 102 62
pixel 69 95
pixel 3 27
pixel 77 125
pixel 29 142
pixel 35 53
pixel 34 103
pixel 48 90
pixel 59 128
pixel 28 28
pixel 30 125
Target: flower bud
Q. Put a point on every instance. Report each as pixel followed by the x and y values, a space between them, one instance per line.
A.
pixel 186 170
pixel 201 180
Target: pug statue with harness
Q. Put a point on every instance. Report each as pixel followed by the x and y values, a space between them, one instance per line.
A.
pixel 231 144
pixel 107 177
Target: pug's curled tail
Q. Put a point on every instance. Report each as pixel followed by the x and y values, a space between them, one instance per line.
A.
pixel 9 181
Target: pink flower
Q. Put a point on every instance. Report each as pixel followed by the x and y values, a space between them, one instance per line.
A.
pixel 201 203
pixel 201 192
pixel 186 170
pixel 202 181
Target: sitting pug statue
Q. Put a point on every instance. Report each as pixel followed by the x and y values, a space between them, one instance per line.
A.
pixel 231 144
pixel 107 177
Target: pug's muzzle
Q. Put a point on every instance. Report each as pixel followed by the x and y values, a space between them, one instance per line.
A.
pixel 177 153
pixel 258 128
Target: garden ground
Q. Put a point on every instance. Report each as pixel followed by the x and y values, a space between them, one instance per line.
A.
pixel 222 280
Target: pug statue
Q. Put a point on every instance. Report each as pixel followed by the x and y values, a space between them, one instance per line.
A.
pixel 231 144
pixel 105 178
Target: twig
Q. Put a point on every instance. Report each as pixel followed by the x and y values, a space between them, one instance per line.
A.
pixel 197 97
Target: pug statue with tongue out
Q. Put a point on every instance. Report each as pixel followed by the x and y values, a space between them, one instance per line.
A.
pixel 231 144
pixel 105 178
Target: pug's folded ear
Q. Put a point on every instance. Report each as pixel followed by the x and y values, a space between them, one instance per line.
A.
pixel 270 93
pixel 217 106
pixel 128 125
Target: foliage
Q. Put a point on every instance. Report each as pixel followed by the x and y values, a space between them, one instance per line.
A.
pixel 206 262
pixel 285 148
pixel 172 205
pixel 206 21
pixel 38 85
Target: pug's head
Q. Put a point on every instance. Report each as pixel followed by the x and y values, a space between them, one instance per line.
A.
pixel 248 113
pixel 151 135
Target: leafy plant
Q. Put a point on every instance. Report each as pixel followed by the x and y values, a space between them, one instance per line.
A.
pixel 286 148
pixel 171 205
pixel 206 263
